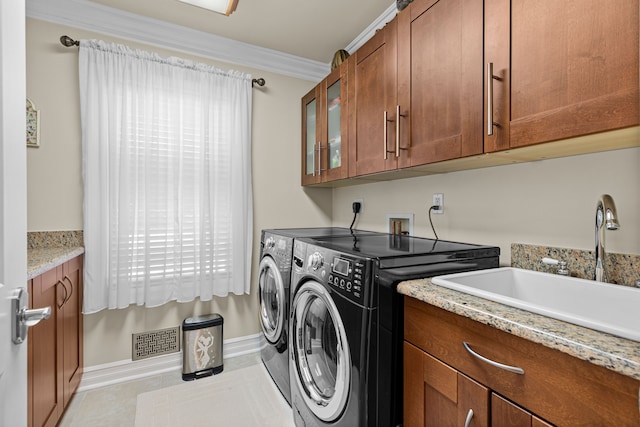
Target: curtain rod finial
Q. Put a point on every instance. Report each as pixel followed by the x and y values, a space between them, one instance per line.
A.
pixel 68 41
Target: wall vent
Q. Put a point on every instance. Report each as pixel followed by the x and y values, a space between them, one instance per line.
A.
pixel 155 343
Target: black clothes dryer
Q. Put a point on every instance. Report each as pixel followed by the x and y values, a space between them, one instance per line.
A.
pixel 346 322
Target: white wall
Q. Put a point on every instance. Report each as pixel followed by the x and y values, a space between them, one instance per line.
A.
pixel 549 202
pixel 54 181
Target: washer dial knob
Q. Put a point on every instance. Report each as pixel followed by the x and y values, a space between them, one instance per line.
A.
pixel 316 260
pixel 270 243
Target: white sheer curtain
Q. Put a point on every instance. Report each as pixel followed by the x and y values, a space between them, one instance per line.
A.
pixel 166 147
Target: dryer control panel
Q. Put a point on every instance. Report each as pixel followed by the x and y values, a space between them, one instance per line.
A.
pixel 279 247
pixel 345 274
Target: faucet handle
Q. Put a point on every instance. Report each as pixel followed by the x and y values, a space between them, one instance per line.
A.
pixel 562 265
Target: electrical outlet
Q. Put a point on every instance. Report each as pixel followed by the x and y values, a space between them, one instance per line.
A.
pixel 438 200
pixel 361 201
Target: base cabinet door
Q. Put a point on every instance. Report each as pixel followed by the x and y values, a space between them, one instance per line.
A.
pixel 55 356
pixel 45 352
pixel 72 328
pixel 507 414
pixel 437 395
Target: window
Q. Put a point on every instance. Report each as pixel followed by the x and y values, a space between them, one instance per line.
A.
pixel 167 178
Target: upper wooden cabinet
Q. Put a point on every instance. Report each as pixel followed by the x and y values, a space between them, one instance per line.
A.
pixel 372 104
pixel 561 69
pixel 325 130
pixel 415 91
pixel 448 80
pixel 440 81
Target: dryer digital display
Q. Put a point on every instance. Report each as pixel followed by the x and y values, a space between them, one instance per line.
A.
pixel 341 266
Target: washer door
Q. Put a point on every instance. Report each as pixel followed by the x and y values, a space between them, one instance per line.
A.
pixel 321 362
pixel 272 303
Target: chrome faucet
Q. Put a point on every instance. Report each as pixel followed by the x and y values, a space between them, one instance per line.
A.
pixel 606 217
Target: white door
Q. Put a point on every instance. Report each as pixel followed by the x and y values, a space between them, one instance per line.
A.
pixel 13 208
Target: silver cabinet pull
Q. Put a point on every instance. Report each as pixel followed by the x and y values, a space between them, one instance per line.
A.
pixel 384 140
pixel 319 158
pixel 70 285
pixel 66 293
pixel 397 130
pixel 398 115
pixel 490 78
pixel 313 159
pixel 467 421
pixel 514 369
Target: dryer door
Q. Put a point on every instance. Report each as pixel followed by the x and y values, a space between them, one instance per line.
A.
pixel 272 299
pixel 320 361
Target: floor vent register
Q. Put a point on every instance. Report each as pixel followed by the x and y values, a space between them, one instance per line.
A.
pixel 155 343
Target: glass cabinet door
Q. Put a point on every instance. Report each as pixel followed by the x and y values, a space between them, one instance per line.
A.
pixel 333 124
pixel 310 137
pixel 324 129
pixel 335 137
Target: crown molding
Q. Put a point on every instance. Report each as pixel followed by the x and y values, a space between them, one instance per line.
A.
pixel 90 16
pixel 101 19
pixel 369 32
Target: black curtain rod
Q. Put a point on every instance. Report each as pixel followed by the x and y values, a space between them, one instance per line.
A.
pixel 69 42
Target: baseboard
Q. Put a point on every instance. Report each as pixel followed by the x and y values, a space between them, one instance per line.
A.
pixel 126 370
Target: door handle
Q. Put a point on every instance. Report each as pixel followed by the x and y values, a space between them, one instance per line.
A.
pixel 22 317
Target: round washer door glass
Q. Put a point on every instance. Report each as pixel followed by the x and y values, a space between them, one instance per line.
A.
pixel 272 304
pixel 320 352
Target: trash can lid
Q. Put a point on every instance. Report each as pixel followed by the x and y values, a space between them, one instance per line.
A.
pixel 202 321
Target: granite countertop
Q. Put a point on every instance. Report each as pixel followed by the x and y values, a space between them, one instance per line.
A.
pixel 40 260
pixel 617 354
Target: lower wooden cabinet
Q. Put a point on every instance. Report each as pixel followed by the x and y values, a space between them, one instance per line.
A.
pixel 55 344
pixel 437 395
pixel 444 381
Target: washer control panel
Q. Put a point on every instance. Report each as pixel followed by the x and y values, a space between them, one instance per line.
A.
pixel 345 274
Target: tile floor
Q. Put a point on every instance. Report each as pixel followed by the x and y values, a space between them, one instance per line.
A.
pixel 115 405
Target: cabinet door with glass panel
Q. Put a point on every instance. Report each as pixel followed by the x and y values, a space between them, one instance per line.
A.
pixel 324 130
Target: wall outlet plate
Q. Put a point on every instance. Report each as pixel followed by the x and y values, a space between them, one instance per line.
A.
pixel 438 200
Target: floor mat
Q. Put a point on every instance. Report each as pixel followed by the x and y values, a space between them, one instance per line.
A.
pixel 243 397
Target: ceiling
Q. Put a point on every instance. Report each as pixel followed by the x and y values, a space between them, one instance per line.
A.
pixel 311 29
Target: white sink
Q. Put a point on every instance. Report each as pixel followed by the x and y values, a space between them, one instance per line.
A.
pixel 604 307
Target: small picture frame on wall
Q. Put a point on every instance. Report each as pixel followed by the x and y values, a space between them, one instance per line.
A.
pixel 33 125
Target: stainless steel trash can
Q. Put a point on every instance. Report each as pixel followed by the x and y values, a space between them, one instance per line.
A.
pixel 201 346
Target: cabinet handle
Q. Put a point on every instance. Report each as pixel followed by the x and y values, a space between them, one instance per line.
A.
pixel 313 159
pixel 398 115
pixel 467 421
pixel 319 158
pixel 66 293
pixel 71 285
pixel 490 78
pixel 514 369
pixel 384 140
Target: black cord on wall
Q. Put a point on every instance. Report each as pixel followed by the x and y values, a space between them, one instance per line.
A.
pixel 433 208
pixel 356 209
